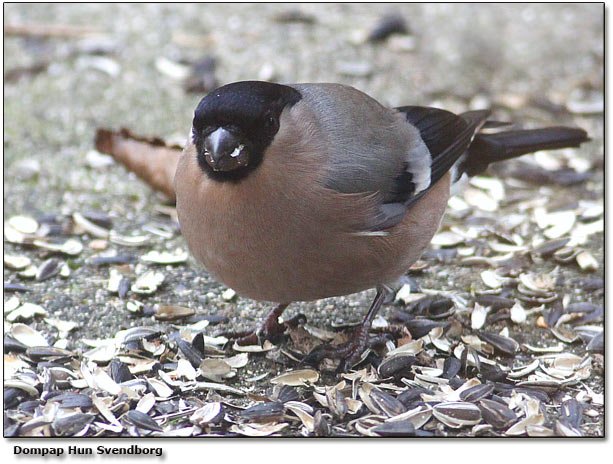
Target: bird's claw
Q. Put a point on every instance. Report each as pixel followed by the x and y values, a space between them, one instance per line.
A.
pixel 348 353
pixel 270 329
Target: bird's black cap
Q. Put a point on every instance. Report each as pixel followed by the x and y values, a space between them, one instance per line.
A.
pixel 248 109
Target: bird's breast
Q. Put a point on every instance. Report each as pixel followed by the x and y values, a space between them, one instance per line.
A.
pixel 272 241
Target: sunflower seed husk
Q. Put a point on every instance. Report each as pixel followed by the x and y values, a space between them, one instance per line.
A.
pixel 478 316
pixel 11 304
pixel 257 430
pixel 215 369
pixel 551 246
pixel 28 336
pixel 435 306
pixel 146 403
pixel 25 311
pixel 492 279
pixel 593 316
pixel 567 336
pixel 495 302
pixel 119 371
pixel 572 411
pixel 518 314
pixel 102 380
pixel 172 312
pixel 192 354
pixel 141 420
pixel 421 327
pixel 385 403
pixel 297 378
pixel 505 345
pixel 48 269
pixel 552 316
pixel 451 367
pixel 160 388
pixel 39 353
pixel 414 347
pixel 148 282
pixel 565 429
pixel 263 412
pixel 23 224
pixel 534 417
pixel 476 393
pixel 23 386
pixel 596 343
pixel 525 370
pixel 320 425
pixel 29 272
pixel 16 262
pixel 115 259
pixel 133 240
pixel 586 261
pixel 544 349
pixel 307 419
pixel 71 425
pixel 11 345
pixel 165 257
pixel 12 235
pixel 496 414
pixel 337 403
pixel 395 429
pixel 393 365
pixel 447 239
pixel 457 414
pixel 90 227
pixel 210 413
pixel 70 247
pixel 72 400
pixel 238 361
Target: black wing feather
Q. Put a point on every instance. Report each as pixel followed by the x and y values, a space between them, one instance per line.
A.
pixel 446 135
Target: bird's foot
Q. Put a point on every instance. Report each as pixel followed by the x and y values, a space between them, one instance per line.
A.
pixel 270 329
pixel 348 353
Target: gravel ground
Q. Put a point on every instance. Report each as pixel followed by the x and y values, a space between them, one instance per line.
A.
pixel 531 62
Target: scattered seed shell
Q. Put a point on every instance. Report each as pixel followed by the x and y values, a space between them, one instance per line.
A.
pixel 90 227
pixel 25 311
pixel 165 257
pixel 207 414
pixel 16 262
pixel 148 282
pixel 297 378
pixel 27 335
pixel 172 312
pixel 70 247
pixel 586 261
pixel 496 414
pixel 457 414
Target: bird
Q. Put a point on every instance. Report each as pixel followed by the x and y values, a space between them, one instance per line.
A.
pixel 298 192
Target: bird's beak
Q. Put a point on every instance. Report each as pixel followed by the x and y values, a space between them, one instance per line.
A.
pixel 223 151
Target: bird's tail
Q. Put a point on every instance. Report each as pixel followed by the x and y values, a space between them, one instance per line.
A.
pixel 490 148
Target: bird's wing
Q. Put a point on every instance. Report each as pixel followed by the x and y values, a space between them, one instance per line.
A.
pixel 396 153
pixel 446 135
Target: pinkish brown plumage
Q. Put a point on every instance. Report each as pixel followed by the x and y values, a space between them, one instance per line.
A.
pixel 309 191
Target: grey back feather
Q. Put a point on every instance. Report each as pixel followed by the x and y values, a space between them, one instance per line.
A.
pixel 369 145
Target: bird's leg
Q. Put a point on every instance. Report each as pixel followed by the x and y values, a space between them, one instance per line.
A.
pixel 351 351
pixel 269 329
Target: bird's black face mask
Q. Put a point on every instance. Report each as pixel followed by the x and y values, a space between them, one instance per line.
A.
pixel 234 125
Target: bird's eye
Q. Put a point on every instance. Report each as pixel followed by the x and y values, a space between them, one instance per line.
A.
pixel 271 122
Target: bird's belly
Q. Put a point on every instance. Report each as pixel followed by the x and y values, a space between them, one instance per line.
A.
pixel 263 262
pixel 276 259
pixel 295 248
